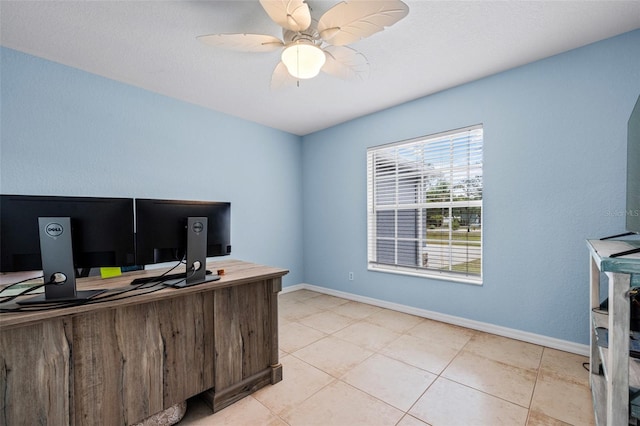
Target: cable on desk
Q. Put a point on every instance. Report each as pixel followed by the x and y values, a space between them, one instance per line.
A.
pixel 20 282
pixel 156 286
pixel 67 304
pixel 25 291
pixel 157 278
pixel 153 288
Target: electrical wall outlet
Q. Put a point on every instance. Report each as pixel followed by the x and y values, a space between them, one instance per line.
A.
pixel 350 276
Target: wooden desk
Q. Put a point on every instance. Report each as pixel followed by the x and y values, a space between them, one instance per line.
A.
pixel 119 362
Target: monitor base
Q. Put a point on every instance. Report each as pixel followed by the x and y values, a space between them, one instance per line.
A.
pixel 80 297
pixel 182 283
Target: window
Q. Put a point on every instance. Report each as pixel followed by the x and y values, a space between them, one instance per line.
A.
pixel 424 206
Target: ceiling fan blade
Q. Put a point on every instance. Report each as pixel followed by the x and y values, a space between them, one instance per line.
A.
pixel 351 21
pixel 243 42
pixel 281 77
pixel 293 15
pixel 345 63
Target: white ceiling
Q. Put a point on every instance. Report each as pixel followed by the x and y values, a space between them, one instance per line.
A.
pixel 440 44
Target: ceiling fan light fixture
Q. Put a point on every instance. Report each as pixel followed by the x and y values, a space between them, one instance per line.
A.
pixel 303 59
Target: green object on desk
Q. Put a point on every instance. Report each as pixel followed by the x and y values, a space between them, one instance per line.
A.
pixel 110 272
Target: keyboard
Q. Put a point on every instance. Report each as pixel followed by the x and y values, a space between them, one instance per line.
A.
pixel 166 277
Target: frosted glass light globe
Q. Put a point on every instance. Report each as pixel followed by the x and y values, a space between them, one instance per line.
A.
pixel 303 60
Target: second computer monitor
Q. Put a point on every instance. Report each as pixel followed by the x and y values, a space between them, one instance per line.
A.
pixel 161 229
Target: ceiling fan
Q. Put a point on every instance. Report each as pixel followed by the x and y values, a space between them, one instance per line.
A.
pixel 311 46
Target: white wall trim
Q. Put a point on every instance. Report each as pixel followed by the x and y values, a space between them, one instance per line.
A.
pixel 538 339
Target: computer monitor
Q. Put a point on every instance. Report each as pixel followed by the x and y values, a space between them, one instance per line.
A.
pixel 177 230
pixel 61 235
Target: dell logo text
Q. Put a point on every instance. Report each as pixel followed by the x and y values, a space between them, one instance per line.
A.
pixel 198 227
pixel 54 229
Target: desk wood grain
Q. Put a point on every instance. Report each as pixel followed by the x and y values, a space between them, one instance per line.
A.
pixel 120 361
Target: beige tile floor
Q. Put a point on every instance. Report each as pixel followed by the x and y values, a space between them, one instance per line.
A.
pixel 347 363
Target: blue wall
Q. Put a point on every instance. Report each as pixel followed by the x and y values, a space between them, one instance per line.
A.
pixel 68 132
pixel 555 134
pixel 555 157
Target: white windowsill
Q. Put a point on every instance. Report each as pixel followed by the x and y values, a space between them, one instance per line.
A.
pixel 427 274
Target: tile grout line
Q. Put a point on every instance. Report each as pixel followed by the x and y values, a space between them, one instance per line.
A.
pixel 377 351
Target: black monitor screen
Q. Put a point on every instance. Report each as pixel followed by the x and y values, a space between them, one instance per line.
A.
pixel 161 229
pixel 101 228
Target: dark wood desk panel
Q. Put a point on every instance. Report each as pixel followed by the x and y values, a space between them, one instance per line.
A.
pixel 35 374
pixel 237 376
pixel 121 361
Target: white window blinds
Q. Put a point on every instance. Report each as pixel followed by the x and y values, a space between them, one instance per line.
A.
pixel 424 206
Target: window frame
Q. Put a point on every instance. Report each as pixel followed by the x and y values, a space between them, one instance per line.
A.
pixel 392 174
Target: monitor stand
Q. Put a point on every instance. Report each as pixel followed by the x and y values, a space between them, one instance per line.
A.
pixel 182 283
pixel 80 297
pixel 196 255
pixel 56 250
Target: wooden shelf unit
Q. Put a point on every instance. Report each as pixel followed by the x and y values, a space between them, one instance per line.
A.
pixel 613 370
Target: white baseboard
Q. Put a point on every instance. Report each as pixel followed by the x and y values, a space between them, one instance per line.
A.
pixel 538 339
